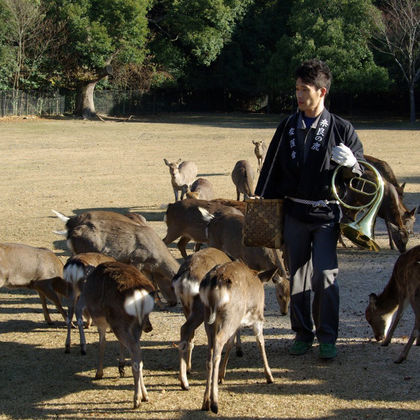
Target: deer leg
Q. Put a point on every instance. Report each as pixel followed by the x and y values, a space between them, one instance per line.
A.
pixel 70 312
pixel 228 348
pixel 221 338
pixel 182 243
pixel 80 306
pixel 45 308
pixel 237 194
pixel 239 351
pixel 121 361
pixel 45 287
pixel 391 242
pixel 186 344
pixel 210 330
pixel 395 321
pixel 414 334
pixel 102 326
pixel 258 331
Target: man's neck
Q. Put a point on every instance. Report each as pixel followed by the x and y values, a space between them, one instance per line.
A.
pixel 313 113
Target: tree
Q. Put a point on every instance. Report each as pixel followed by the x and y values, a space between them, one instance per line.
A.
pixel 98 33
pixel 336 31
pixel 398 35
pixel 26 35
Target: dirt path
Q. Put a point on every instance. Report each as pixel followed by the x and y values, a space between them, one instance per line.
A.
pixel 73 166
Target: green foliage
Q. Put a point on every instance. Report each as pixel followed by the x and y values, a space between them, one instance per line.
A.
pixel 336 31
pixel 98 32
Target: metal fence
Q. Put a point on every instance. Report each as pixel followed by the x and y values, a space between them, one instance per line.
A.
pixel 17 102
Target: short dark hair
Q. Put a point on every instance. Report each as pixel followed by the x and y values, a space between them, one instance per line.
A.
pixel 315 72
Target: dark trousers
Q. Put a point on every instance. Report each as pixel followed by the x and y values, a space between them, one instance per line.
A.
pixel 312 255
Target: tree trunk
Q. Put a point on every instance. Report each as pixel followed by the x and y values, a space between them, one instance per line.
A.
pixel 412 105
pixel 85 105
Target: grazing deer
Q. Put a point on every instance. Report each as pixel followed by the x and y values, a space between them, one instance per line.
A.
pixel 186 284
pixel 75 272
pixel 233 296
pixel 183 174
pixel 120 297
pixel 201 189
pixel 127 239
pixel 260 151
pixel 243 177
pixel 403 288
pixel 33 268
pixel 387 173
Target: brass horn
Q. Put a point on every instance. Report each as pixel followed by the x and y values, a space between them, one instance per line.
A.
pixel 360 231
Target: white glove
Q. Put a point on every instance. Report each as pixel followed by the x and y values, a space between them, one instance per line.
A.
pixel 342 155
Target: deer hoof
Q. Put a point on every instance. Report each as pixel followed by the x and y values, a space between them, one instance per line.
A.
pixel 206 405
pixel 214 407
pixel 67 350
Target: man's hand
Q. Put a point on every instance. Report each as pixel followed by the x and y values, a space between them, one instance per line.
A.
pixel 342 155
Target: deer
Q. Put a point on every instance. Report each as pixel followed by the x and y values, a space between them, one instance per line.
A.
pixel 183 174
pixel 120 297
pixel 385 311
pixel 186 284
pixel 243 177
pixel 224 232
pixel 233 297
pixel 34 268
pixel 260 151
pixel 386 172
pixel 126 239
pixel 183 219
pixel 75 272
pixel 201 189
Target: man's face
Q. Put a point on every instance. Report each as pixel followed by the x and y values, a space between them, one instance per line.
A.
pixel 310 99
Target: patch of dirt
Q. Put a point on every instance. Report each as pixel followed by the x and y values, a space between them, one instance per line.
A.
pixel 74 166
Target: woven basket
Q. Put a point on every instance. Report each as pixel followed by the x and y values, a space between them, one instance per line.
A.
pixel 263 223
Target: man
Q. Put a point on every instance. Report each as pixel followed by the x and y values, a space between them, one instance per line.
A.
pixel 300 161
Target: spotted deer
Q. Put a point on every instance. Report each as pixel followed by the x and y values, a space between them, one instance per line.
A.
pixel 233 297
pixel 402 289
pixel 260 151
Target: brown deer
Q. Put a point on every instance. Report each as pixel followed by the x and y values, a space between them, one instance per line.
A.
pixel 183 174
pixel 386 172
pixel 201 189
pixel 186 284
pixel 243 177
pixel 183 219
pixel 126 239
pixel 120 297
pixel 225 232
pixel 233 296
pixel 260 151
pixel 34 268
pixel 403 288
pixel 75 272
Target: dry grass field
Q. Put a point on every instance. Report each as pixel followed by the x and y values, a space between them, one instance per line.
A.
pixel 74 166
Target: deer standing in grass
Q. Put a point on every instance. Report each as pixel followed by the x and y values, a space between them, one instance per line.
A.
pixel 183 174
pixel 260 151
pixel 120 297
pixel 243 177
pixel 402 289
pixel 233 296
pixel 33 268
pixel 186 284
pixel 75 272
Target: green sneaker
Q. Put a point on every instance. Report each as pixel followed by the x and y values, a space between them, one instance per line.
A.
pixel 299 347
pixel 327 351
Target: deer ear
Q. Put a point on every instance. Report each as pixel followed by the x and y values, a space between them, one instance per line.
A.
pixel 413 212
pixel 402 186
pixel 178 161
pixel 266 276
pixel 254 142
pixel 166 162
pixel 372 299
